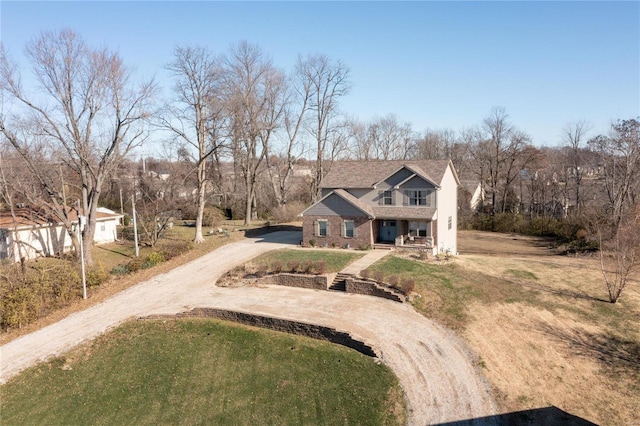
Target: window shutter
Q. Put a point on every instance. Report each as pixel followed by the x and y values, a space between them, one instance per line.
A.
pixel 405 201
pixel 328 228
pixel 355 233
pixel 393 197
pixel 316 228
pixel 380 198
pixel 343 229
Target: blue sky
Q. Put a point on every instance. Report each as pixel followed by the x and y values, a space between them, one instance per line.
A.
pixel 434 64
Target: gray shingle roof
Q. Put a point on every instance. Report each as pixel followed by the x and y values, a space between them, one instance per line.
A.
pixel 357 203
pixel 364 174
pixel 395 212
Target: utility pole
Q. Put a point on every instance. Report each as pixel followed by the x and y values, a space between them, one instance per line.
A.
pixel 121 204
pixel 135 225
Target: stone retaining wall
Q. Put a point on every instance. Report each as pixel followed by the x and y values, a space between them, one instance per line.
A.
pixel 294 327
pixel 316 282
pixel 371 288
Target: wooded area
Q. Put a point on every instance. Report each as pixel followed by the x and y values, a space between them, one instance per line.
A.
pixel 254 140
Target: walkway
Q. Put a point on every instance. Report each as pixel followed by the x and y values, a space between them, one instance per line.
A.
pixel 434 366
pixel 365 261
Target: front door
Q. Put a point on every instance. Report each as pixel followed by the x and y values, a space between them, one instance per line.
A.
pixel 388 230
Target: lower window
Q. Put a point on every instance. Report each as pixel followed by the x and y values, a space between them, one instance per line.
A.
pixel 349 229
pixel 322 228
pixel 419 229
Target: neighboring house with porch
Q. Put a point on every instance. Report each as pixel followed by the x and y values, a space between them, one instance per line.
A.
pixel 397 202
pixel 32 235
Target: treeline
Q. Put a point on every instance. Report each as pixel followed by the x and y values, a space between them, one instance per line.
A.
pixel 242 134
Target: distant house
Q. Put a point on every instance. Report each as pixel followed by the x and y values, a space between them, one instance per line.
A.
pixel 476 193
pixel 399 203
pixel 32 235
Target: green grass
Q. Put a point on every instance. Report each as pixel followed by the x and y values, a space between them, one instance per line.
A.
pixel 204 372
pixel 120 253
pixel 336 260
pixel 525 275
pixel 447 289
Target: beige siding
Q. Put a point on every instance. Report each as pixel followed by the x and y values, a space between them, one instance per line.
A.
pixel 447 199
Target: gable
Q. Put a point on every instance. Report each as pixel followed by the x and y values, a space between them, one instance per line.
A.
pixel 416 182
pixel 333 205
pixel 397 177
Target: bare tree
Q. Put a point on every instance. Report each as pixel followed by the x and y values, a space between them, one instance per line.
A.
pixel 87 109
pixel 436 144
pixel 329 81
pixel 198 118
pixel 255 103
pixel 391 140
pixel 501 146
pixel 295 114
pixel 7 192
pixel 620 154
pixel 154 212
pixel 574 134
pixel 360 142
pixel 620 255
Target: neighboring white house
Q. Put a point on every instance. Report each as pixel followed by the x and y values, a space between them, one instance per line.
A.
pixel 30 235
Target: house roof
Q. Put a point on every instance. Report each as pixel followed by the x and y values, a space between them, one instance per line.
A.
pixel 355 202
pixel 395 212
pixel 349 199
pixel 30 217
pixel 366 174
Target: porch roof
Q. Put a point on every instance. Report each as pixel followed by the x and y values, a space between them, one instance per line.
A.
pixel 407 213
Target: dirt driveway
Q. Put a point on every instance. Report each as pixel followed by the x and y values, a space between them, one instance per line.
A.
pixel 435 367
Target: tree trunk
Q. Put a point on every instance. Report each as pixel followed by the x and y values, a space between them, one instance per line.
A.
pixel 202 187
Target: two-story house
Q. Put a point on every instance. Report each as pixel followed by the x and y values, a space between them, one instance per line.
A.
pixel 399 202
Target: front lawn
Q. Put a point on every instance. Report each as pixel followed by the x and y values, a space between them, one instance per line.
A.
pixel 335 260
pixel 204 372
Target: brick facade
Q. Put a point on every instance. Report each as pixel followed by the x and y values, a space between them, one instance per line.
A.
pixel 362 238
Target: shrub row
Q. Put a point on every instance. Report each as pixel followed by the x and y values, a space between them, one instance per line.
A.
pixel 570 231
pixel 39 290
pixel 27 296
pixel 292 266
pixel 166 252
pixel 405 286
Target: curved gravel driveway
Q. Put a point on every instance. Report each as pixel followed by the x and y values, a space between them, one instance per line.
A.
pixel 433 365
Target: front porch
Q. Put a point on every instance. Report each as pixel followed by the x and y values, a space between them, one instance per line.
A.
pixel 403 233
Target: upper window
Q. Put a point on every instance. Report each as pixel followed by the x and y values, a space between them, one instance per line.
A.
pixel 418 198
pixel 387 198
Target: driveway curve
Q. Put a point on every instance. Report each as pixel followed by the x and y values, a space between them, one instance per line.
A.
pixel 435 368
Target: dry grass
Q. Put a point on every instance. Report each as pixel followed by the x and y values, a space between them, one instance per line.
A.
pixel 559 343
pixel 539 322
pixel 110 255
